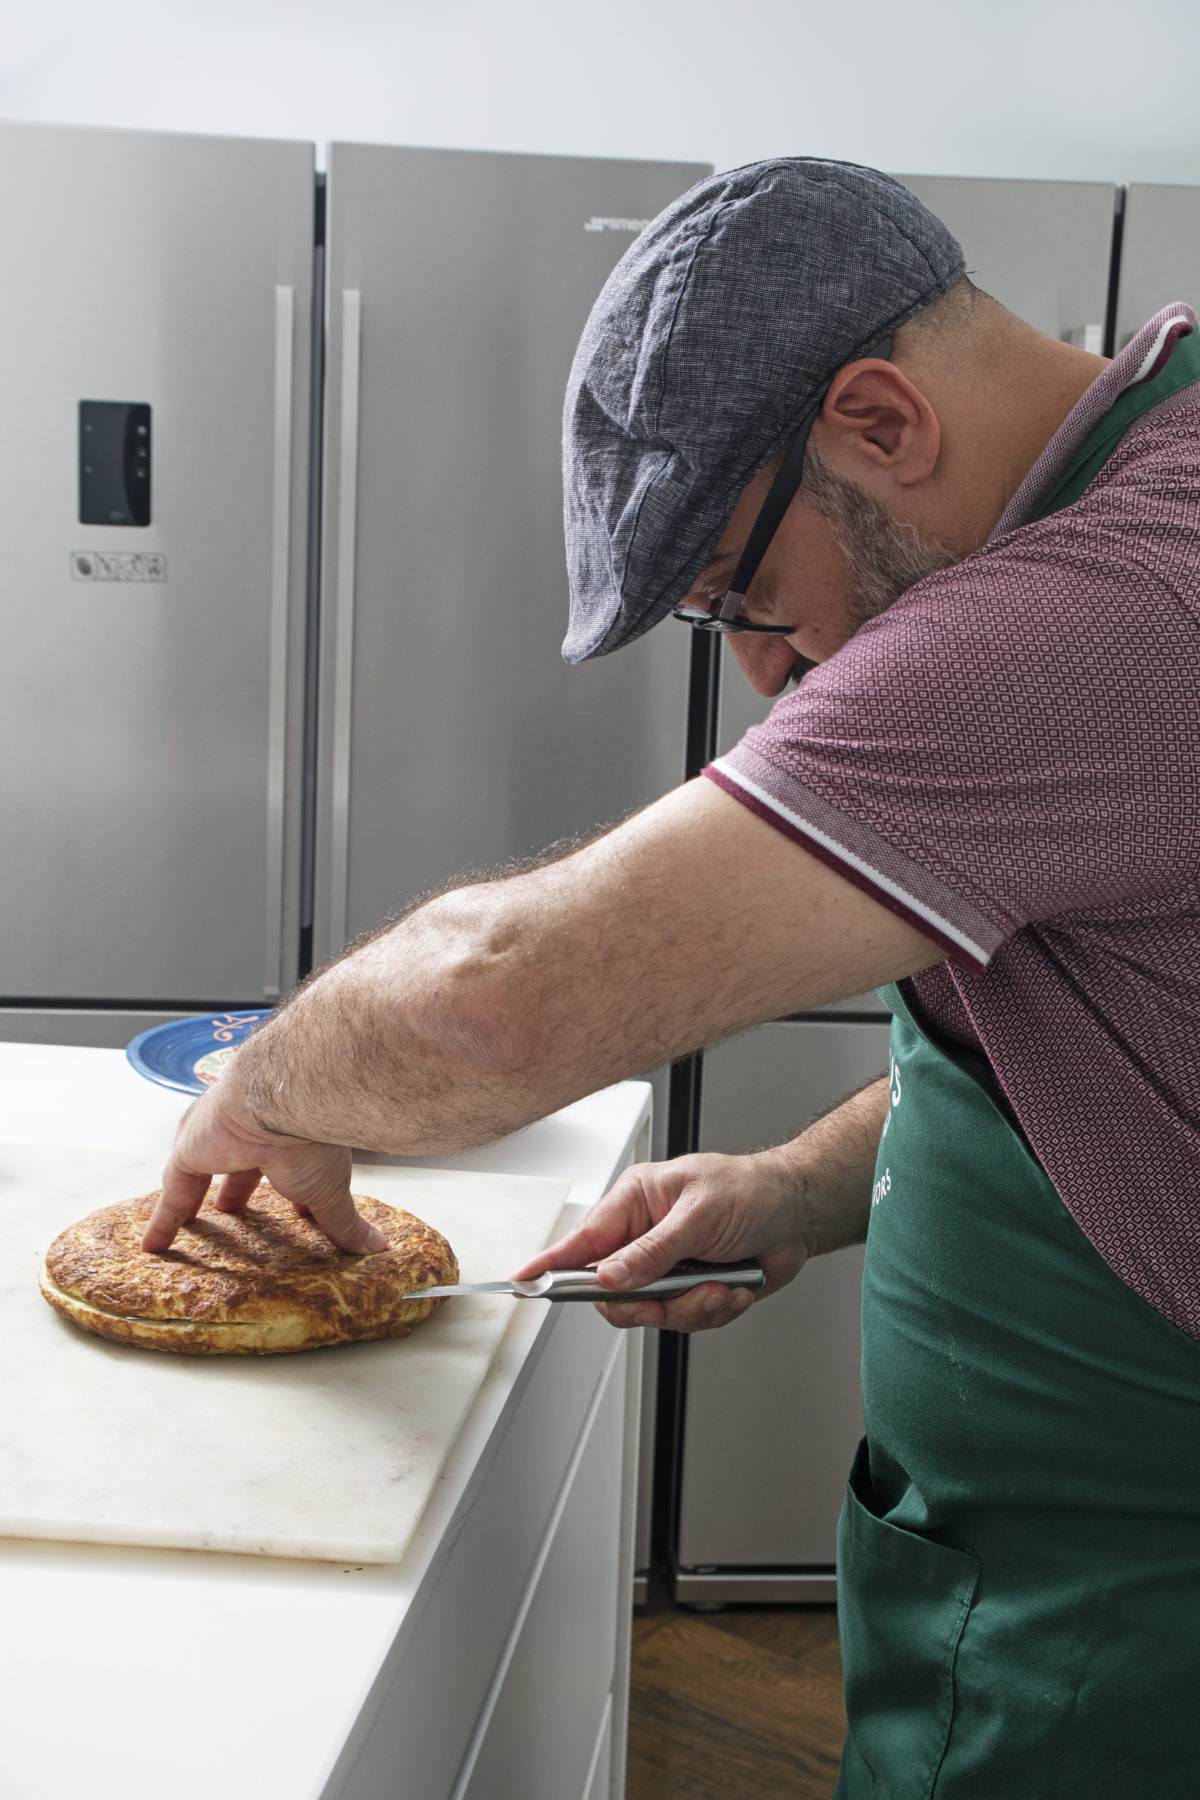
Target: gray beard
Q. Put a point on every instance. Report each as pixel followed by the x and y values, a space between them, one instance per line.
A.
pixel 884 556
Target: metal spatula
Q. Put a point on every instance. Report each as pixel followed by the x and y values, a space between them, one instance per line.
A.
pixel 583 1284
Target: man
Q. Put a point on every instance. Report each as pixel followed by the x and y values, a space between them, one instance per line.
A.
pixel 792 412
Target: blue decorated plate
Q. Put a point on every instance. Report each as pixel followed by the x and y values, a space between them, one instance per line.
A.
pixel 189 1054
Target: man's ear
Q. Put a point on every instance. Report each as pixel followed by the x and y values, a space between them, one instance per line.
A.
pixel 874 417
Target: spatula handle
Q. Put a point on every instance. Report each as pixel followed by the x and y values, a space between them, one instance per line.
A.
pixel 583 1284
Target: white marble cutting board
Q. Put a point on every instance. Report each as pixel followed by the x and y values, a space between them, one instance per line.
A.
pixel 326 1454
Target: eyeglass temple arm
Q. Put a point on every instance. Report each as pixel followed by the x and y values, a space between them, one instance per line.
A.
pixel 779 497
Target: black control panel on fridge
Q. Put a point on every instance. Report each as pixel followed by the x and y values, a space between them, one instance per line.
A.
pixel 114 462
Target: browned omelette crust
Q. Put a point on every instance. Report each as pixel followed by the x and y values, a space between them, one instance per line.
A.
pixel 249 1283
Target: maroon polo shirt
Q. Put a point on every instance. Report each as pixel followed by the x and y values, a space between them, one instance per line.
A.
pixel 1010 758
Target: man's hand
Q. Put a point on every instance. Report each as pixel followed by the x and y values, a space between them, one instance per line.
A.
pixel 714 1208
pixel 218 1135
pixel 801 1199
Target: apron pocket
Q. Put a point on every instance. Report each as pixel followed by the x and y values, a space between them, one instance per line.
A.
pixel 902 1604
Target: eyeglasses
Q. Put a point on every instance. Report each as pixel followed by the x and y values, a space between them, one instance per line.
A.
pixel 770 516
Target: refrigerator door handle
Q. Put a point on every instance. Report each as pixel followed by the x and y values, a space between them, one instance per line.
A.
pixel 343 654
pixel 281 535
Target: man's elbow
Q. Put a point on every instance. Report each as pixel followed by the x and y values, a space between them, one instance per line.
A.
pixel 481 1027
pixel 480 1008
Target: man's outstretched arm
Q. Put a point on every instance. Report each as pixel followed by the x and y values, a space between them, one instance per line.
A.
pixel 491 1006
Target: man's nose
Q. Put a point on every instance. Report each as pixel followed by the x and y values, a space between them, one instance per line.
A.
pixel 765 660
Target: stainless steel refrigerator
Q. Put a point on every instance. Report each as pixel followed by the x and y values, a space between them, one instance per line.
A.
pixel 451 736
pixel 1160 254
pixel 767 1413
pixel 156 343
pixel 212 757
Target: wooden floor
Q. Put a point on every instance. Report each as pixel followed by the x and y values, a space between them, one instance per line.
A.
pixel 743 1704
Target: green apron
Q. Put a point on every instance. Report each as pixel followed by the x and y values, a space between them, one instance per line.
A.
pixel 1019 1552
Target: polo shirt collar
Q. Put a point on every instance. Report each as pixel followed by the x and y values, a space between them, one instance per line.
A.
pixel 1140 377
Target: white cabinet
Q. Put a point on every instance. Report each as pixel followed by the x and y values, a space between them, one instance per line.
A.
pixel 437 1690
pixel 507 1622
pixel 553 1692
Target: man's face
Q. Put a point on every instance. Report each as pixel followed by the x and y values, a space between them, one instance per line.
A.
pixel 838 559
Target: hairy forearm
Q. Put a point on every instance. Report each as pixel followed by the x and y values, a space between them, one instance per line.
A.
pixel 489 1007
pixel 400 1046
pixel 829 1170
pixel 498 1003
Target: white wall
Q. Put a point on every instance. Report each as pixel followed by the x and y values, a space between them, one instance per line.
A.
pixel 1017 87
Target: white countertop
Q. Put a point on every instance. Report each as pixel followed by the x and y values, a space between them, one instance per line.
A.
pixel 140 1672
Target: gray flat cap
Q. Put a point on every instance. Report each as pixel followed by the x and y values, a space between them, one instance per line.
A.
pixel 723 321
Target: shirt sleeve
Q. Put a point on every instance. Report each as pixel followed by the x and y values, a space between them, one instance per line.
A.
pixel 1016 739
